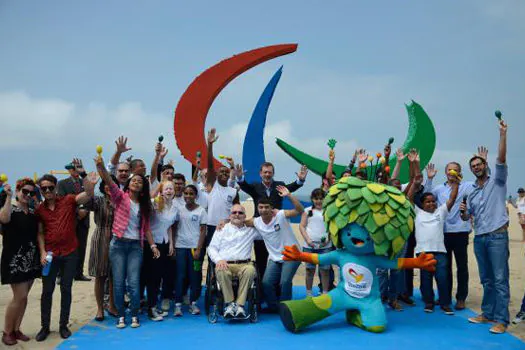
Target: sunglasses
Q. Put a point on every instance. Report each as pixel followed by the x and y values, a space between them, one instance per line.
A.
pixel 237 213
pixel 26 192
pixel 47 188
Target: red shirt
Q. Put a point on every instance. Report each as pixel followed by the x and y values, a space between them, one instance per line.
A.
pixel 60 225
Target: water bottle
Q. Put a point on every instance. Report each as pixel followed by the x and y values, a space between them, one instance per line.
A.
pixel 197 264
pixel 47 266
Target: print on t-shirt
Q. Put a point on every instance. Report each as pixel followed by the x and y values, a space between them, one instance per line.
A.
pixel 358 280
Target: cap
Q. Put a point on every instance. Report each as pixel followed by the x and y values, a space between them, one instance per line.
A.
pixel 69 166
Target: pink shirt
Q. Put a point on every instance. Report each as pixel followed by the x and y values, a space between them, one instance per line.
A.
pixel 121 202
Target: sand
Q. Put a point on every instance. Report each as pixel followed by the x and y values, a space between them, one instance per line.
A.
pixel 84 307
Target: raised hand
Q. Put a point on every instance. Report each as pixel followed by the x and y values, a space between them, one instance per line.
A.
pixel 230 162
pixel 400 155
pixel 483 152
pixel 502 127
pixel 92 178
pixel 387 150
pixel 8 190
pixel 99 161
pixel 362 156
pixel 283 191
pixel 412 155
pixel 77 163
pixel 121 144
pixel 431 171
pixel 301 175
pixel 212 136
pixel 238 171
pixel 331 155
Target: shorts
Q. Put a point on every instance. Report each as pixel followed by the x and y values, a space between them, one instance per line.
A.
pixel 317 251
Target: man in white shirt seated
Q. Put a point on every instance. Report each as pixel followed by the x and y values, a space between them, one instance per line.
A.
pixel 231 249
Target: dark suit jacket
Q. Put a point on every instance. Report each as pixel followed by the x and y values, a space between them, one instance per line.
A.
pixel 257 191
pixel 65 187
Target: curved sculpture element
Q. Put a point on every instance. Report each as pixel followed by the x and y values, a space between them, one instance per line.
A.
pixel 253 147
pixel 421 135
pixel 193 106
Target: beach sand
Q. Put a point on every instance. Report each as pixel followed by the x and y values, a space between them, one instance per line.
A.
pixel 84 307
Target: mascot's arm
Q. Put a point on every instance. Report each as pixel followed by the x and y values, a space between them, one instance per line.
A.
pixel 292 253
pixel 423 261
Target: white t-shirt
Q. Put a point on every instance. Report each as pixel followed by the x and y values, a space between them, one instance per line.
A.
pixel 315 227
pixel 276 235
pixel 429 230
pixel 202 195
pixel 189 227
pixel 520 203
pixel 161 221
pixel 220 201
pixel 133 229
pixel 179 202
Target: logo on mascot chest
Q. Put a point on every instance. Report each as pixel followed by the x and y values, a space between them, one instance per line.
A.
pixel 358 280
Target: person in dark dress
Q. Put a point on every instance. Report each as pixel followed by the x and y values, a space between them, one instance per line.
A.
pixel 99 253
pixel 20 262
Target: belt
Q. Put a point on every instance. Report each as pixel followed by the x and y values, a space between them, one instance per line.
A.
pixel 239 261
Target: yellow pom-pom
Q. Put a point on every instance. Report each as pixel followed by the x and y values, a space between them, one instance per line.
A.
pixel 99 149
pixel 3 177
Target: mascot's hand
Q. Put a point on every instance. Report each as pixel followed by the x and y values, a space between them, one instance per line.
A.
pixel 426 262
pixel 292 253
pixel 423 261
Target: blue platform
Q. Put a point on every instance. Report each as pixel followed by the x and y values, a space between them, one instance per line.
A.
pixel 409 329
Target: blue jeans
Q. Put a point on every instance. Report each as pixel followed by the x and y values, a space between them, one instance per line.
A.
pixel 441 275
pixel 281 274
pixel 186 271
pixel 391 282
pixel 125 257
pixel 492 254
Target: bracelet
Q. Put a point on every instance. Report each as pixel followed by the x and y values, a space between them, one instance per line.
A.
pixel 153 246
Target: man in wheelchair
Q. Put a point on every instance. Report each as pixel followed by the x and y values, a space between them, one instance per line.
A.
pixel 230 250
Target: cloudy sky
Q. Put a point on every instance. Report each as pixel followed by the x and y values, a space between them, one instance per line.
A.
pixel 76 74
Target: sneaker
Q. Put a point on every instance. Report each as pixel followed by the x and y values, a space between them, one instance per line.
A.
pixel 229 311
pixel 479 319
pixel 135 322
pixel 460 305
pixel 498 328
pixel 121 323
pixel 429 308
pixel 309 293
pixel 447 310
pixel 406 299
pixel 165 305
pixel 519 317
pixel 395 305
pixel 239 312
pixel 161 312
pixel 178 310
pixel 194 309
pixel 154 315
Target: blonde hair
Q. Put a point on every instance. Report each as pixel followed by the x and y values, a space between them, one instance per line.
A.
pixel 159 200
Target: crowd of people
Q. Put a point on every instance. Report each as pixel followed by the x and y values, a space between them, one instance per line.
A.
pixel 153 233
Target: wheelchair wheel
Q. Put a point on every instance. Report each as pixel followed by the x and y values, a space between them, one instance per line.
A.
pixel 254 317
pixel 213 316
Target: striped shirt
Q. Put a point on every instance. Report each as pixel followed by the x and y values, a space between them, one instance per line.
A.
pixel 121 202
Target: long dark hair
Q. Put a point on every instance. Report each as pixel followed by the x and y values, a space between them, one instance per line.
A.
pixel 145 207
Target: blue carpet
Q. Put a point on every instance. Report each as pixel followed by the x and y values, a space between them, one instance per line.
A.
pixel 409 329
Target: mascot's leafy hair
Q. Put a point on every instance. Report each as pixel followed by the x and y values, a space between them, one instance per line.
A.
pixel 382 210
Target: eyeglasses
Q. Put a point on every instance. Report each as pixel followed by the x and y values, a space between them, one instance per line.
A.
pixel 47 188
pixel 26 192
pixel 237 213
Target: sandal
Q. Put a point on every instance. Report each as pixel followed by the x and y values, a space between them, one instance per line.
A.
pixel 99 318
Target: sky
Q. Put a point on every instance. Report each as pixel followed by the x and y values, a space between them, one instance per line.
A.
pixel 74 74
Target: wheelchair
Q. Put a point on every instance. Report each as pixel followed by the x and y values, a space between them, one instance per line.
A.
pixel 214 301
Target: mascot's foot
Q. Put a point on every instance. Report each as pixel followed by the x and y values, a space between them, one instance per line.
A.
pixel 298 314
pixel 354 317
